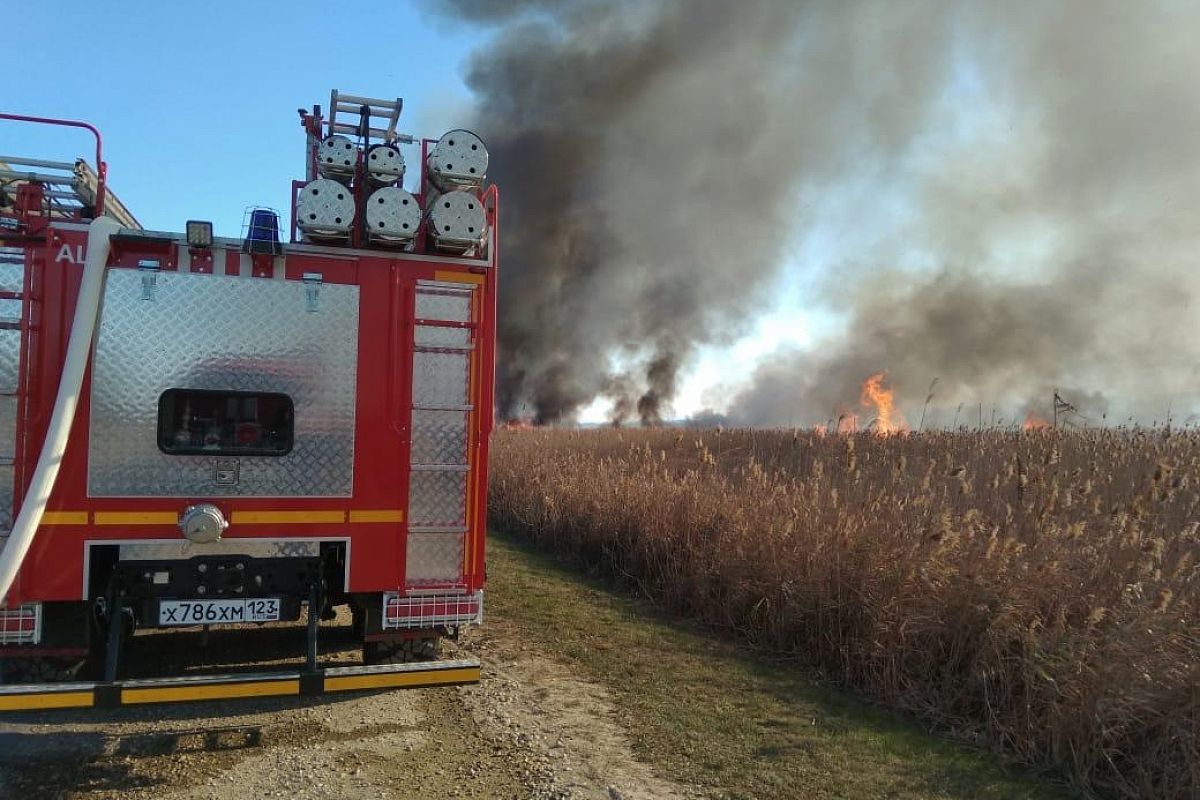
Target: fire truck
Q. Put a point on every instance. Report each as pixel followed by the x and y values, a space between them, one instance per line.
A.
pixel 244 432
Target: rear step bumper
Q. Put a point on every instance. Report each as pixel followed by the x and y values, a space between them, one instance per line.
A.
pixel 34 697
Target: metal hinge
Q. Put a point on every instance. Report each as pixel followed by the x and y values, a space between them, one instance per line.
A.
pixel 312 288
pixel 149 270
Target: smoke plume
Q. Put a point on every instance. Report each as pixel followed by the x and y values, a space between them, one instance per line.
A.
pixel 999 195
pixel 1059 231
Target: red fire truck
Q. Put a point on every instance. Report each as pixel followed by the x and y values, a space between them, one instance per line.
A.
pixel 203 431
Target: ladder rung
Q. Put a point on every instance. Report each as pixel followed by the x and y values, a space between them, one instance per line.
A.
pixel 57 180
pixel 21 161
pixel 356 109
pixel 435 348
pixel 59 194
pixel 443 323
pixel 365 101
pixel 342 127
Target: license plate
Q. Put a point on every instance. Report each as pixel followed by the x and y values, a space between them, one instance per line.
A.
pixel 217 612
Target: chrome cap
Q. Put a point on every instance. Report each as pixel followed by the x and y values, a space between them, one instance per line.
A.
pixel 203 523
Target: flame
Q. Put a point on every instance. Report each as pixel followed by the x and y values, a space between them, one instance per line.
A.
pixel 1033 422
pixel 888 418
pixel 517 424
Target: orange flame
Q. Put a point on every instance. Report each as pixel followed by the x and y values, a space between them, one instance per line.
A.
pixel 1033 422
pixel 888 418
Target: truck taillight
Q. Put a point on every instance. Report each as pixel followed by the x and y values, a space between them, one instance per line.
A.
pixel 21 625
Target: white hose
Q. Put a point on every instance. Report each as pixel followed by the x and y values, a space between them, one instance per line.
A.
pixel 87 308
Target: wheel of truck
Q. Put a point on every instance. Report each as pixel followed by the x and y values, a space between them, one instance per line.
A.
pixel 402 651
pixel 41 670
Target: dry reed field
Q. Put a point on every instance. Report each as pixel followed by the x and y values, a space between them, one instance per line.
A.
pixel 1035 592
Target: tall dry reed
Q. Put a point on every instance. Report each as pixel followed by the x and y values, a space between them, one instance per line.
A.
pixel 1036 592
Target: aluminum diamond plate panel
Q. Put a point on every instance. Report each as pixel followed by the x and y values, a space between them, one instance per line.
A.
pixel 214 332
pixel 6 497
pixel 12 277
pixel 444 304
pixel 434 336
pixel 434 558
pixel 439 437
pixel 8 426
pixel 437 497
pixel 10 355
pixel 183 549
pixel 439 379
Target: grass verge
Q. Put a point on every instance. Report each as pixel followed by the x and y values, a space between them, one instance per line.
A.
pixel 707 713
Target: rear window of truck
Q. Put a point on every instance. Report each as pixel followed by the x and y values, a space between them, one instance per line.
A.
pixel 207 422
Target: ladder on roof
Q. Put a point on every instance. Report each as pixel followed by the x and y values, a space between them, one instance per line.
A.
pixel 364 110
pixel 70 187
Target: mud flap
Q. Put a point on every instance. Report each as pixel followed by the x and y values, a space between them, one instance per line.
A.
pixel 37 697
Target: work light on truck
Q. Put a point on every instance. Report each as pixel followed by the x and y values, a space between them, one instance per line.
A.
pixel 199 234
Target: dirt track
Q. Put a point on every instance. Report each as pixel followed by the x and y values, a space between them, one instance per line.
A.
pixel 529 730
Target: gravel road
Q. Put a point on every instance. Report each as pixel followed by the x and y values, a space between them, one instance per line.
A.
pixel 530 729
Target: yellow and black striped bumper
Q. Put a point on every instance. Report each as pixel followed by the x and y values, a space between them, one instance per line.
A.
pixel 38 697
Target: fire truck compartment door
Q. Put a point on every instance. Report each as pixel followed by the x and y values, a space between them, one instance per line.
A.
pixel 227 334
pixel 443 354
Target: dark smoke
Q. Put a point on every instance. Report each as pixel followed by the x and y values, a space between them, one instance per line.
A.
pixel 661 376
pixel 1023 181
pixel 648 155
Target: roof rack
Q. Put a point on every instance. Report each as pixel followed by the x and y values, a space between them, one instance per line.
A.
pixel 70 187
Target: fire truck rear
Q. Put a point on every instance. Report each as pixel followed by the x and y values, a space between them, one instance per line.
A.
pixel 200 431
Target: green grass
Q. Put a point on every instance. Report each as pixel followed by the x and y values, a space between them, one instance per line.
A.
pixel 705 712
